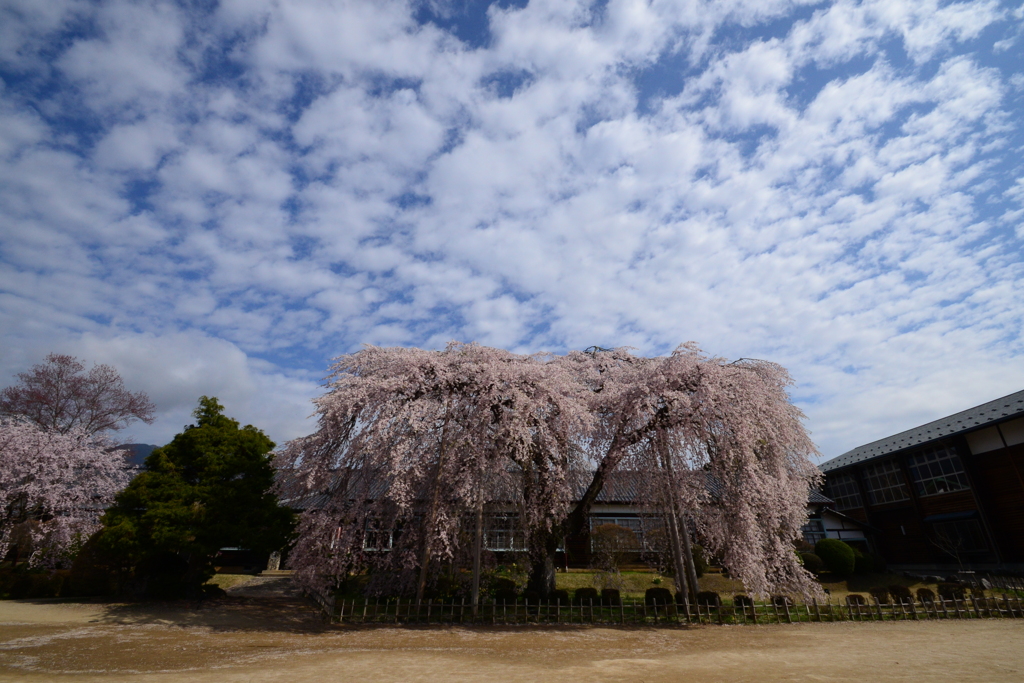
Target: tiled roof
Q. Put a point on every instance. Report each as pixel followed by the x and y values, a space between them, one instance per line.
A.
pixel 624 488
pixel 958 423
pixel 819 498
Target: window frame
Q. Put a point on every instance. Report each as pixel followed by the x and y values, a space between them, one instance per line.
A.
pixel 850 481
pixel 964 529
pixel 879 483
pixel 932 459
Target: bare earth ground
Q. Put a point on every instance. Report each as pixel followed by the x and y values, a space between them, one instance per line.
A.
pixel 260 633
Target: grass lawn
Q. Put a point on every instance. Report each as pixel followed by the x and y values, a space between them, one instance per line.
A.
pixel 634 584
pixel 226 581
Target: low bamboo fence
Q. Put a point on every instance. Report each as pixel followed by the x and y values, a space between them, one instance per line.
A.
pixel 640 612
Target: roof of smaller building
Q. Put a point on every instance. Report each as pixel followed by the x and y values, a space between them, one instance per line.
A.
pixel 958 423
pixel 819 498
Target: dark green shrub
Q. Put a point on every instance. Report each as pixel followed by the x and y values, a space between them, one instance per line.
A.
pixel 855 599
pixel 94 572
pixel 7 579
pixel 499 583
pixel 710 598
pixel 37 584
pixel 662 595
pixel 560 596
pixel 586 596
pixel 900 593
pixel 862 564
pixel 950 591
pixel 837 556
pixel 926 595
pixel 812 563
pixel 700 564
pixel 880 593
pixel 532 597
pixel 611 597
pixel 503 589
pixel 741 600
pixel 20 587
pixel 782 601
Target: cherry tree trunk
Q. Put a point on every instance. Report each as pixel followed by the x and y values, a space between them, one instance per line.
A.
pixel 542 569
pixel 428 526
pixel 478 543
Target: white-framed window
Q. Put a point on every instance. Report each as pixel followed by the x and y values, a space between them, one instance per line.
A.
pixel 937 470
pixel 377 537
pixel 884 483
pixel 502 533
pixel 842 488
pixel 813 531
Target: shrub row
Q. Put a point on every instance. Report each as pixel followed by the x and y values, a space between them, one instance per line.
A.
pixel 840 558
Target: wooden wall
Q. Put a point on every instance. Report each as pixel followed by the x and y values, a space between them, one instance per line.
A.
pixel 1000 483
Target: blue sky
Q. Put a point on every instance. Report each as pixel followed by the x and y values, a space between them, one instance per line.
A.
pixel 217 198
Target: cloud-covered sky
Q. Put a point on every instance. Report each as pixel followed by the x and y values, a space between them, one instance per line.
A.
pixel 219 197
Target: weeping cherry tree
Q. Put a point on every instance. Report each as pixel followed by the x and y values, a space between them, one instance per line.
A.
pixel 419 441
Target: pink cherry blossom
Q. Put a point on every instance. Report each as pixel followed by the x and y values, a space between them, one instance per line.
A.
pixel 59 483
pixel 412 443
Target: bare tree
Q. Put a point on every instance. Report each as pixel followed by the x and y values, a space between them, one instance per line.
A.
pixel 60 396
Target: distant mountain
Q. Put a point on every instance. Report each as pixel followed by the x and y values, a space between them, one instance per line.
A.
pixel 137 452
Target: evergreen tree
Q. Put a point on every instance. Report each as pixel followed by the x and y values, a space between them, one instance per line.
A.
pixel 207 489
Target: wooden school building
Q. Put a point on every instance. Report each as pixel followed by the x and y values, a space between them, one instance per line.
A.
pixel 944 496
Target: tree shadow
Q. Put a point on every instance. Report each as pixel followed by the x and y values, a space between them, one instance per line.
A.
pixel 243 614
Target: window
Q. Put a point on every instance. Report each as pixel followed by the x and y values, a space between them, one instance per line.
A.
pixel 813 531
pixel 843 490
pixel 937 470
pixel 884 483
pixel 376 537
pixel 503 533
pixel 634 524
pixel 963 536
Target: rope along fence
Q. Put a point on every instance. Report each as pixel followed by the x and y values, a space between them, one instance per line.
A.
pixel 640 612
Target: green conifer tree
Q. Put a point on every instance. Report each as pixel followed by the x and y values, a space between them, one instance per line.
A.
pixel 207 489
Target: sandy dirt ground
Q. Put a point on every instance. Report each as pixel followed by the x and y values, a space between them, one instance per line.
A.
pixel 254 637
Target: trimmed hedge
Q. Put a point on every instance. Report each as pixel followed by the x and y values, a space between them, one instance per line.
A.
pixel 838 557
pixel 586 595
pixel 611 597
pixel 560 595
pixel 900 593
pixel 880 593
pixel 662 595
pixel 709 598
pixel 950 591
pixel 855 599
pixel 812 563
pixel 741 600
pixel 926 595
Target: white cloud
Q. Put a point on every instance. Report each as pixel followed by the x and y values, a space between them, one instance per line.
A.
pixel 269 183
